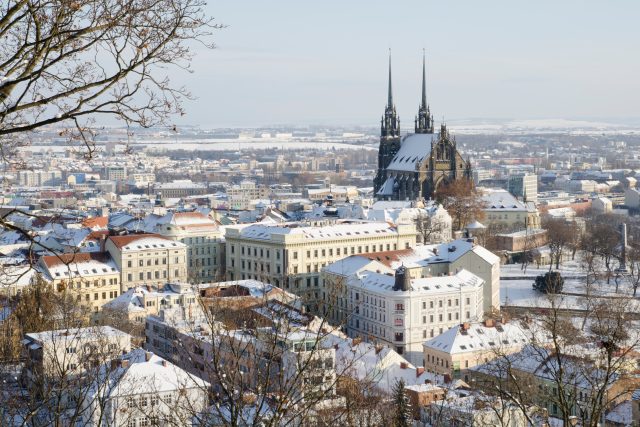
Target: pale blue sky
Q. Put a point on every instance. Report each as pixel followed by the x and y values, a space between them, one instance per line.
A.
pixel 324 62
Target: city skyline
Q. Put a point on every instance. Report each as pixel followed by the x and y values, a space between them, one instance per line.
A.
pixel 289 64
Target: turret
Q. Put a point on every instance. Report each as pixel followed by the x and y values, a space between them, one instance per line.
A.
pixel 424 120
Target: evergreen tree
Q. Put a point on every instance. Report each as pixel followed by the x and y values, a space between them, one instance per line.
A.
pixel 403 416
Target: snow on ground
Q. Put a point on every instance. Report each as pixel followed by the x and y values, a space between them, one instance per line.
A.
pixel 516 285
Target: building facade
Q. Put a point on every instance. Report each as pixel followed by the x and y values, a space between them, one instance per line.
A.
pixel 205 248
pixel 91 278
pixel 291 255
pixel 148 259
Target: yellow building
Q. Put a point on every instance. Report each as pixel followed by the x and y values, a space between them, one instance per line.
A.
pixel 291 255
pixel 92 277
pixel 504 212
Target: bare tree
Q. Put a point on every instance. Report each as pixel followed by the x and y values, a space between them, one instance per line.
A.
pixel 69 62
pixel 560 235
pixel 567 370
pixel 463 202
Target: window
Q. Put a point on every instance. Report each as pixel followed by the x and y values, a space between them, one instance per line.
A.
pixel 143 401
pixel 131 403
pixel 424 305
pixel 399 336
pixel 129 264
pixel 71 350
pixel 399 307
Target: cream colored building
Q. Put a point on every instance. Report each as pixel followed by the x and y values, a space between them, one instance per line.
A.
pixel 471 344
pixel 92 278
pixel 148 259
pixel 291 255
pixel 205 248
pixel 241 195
pixel 506 213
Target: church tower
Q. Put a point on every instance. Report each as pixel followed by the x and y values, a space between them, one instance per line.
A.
pixel 424 120
pixel 389 137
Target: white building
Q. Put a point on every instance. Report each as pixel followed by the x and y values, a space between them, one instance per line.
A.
pixel 601 205
pixel 524 186
pixel 392 307
pixel 52 354
pixel 421 262
pixel 142 389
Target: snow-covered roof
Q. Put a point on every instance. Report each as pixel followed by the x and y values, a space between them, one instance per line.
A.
pixel 478 337
pixel 141 242
pixel 141 376
pixel 75 333
pixel 387 187
pixel 413 149
pixel 501 200
pixel 381 283
pixel 380 365
pixel 328 232
pixel 84 264
pixel 450 252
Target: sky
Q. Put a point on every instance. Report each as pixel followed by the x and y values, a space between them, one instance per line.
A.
pixel 295 62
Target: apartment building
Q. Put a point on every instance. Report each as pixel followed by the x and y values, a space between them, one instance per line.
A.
pixel 291 255
pixel 50 354
pixel 241 195
pixel 205 248
pixel 420 262
pixel 92 278
pixel 251 352
pixel 148 259
pixel 392 308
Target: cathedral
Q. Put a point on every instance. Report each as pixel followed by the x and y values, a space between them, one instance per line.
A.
pixel 412 167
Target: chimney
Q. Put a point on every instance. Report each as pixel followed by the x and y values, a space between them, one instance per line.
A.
pixel 447 378
pixel 356 341
pixel 379 348
pixel 402 279
pixel 164 363
pixel 419 371
pixel 466 326
pixel 114 364
pixel 124 363
pixel 489 323
pixel 427 381
pixel 403 365
pixel 103 243
pixel 147 356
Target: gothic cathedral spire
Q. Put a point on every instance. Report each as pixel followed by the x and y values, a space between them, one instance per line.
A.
pixel 424 120
pixel 390 126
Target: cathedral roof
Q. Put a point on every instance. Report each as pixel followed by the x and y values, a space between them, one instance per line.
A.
pixel 387 187
pixel 413 149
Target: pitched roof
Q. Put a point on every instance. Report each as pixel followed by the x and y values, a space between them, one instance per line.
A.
pixel 125 242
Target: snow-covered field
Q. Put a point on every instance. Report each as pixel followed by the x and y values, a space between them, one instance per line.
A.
pixel 516 286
